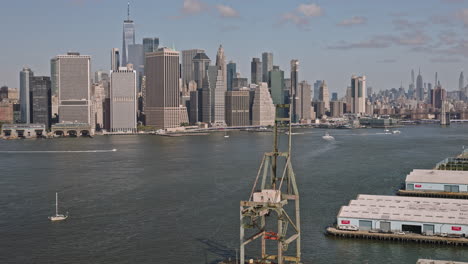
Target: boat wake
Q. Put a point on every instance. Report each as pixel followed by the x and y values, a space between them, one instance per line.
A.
pixel 55 151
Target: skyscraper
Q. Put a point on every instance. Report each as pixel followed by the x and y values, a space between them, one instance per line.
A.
pixel 263 109
pixel 26 76
pixel 136 57
pixel 324 95
pixel 213 96
pixel 419 87
pixel 276 77
pixel 231 70
pixel 267 65
pixel 123 100
pixel 306 106
pixel 128 36
pixel 221 63
pixel 295 99
pixel 358 94
pixel 188 73
pixel 162 103
pixel 461 85
pixel 115 59
pixel 150 45
pixel 256 71
pixel 237 108
pixel 74 84
pixel 41 101
pixel 334 97
pixel 200 67
pixel 317 86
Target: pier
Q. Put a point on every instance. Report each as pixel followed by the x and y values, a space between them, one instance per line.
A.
pixel 415 238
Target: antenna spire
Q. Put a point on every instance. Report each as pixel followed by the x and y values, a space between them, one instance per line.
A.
pixel 128 11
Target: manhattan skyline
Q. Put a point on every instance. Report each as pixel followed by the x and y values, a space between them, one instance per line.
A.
pixel 332 41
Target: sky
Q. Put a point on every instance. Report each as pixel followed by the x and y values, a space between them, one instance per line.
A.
pixel 332 39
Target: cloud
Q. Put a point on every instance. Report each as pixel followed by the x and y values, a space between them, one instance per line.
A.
pixel 227 11
pixel 310 10
pixel 192 7
pixel 387 61
pixel 355 20
pixel 373 43
pixel 404 24
pixel 453 1
pixel 301 15
pixel 463 16
pixel 444 60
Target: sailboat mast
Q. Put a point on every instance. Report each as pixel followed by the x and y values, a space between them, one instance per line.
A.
pixel 56 203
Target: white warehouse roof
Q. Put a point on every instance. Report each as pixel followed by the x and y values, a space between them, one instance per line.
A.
pixel 408 209
pixel 431 261
pixel 438 176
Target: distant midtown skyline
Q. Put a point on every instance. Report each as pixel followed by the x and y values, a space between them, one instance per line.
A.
pixel 332 41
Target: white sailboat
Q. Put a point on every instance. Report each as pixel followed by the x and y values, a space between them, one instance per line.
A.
pixel 57 216
pixel 226 135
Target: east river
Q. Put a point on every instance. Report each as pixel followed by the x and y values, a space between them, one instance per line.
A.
pixel 176 200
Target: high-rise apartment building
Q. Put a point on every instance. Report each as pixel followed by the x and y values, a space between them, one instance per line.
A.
pixel 231 71
pixel 74 84
pixel 115 59
pixel 200 67
pixel 336 108
pixel 41 101
pixel 123 100
pixel 263 109
pixel 256 71
pixel 26 76
pixel 128 37
pixel 267 65
pixel 237 108
pixel 188 72
pixel 162 104
pixel 358 94
pixel 137 59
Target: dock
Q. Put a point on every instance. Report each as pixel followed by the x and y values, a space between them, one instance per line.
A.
pixel 415 238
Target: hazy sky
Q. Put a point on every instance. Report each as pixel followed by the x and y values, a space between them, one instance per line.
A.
pixel 332 39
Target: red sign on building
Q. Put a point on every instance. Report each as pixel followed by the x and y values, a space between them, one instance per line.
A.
pixel 418 186
pixel 456 228
pixel 345 222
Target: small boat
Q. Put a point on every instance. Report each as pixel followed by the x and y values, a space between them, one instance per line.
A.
pixel 386 130
pixel 328 137
pixel 396 132
pixel 226 135
pixel 57 216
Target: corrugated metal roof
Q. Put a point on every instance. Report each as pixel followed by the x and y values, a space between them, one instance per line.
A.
pixel 431 261
pixel 409 209
pixel 438 176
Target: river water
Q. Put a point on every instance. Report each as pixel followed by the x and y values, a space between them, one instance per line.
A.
pixel 176 200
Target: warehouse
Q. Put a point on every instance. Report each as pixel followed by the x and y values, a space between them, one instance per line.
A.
pixel 437 181
pixel 431 261
pixel 428 216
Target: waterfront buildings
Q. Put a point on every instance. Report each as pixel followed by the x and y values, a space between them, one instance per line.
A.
pixel 267 66
pixel 128 37
pixel 429 216
pixel 263 109
pixel 123 100
pixel 41 101
pixel 162 105
pixel 73 81
pixel 26 76
pixel 437 181
pixel 237 108
pixel 358 94
pixel 188 67
pixel 7 113
pixel 256 71
pixel 115 59
pixel 231 72
pixel 336 109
